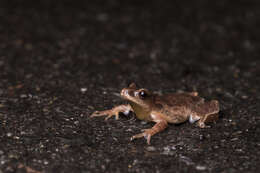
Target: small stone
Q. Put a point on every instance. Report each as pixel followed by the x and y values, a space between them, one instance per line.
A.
pixel 239 150
pixel 244 97
pixel 91 107
pixel 37 88
pixel 9 169
pixel 143 122
pixel 135 162
pixel 28 76
pixel 173 148
pixel 83 90
pixel 13 156
pixel 234 139
pixel 1 152
pixel 201 168
pixel 23 96
pixel 150 148
pixel 45 162
pixel 202 137
pixel 186 160
pixel 229 95
pixel 219 90
pixel 166 148
pixel 9 134
pixel 226 133
pixel 2 162
pixel 16 137
pixel 45 110
pixel 23 133
pixel 103 167
pixel 237 132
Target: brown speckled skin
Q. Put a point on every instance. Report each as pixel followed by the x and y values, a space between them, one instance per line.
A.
pixel 163 109
pixel 178 107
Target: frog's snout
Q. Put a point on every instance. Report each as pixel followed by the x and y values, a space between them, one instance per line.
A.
pixel 124 92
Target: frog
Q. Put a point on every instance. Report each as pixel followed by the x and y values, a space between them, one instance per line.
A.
pixel 163 109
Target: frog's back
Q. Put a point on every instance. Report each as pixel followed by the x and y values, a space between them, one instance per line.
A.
pixel 176 107
pixel 178 100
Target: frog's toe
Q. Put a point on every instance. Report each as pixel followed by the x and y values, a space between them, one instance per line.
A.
pixel 136 136
pixel 203 125
pixel 95 114
pixel 146 134
pixel 99 113
pixel 111 114
pixel 148 138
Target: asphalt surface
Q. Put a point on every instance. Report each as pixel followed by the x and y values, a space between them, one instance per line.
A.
pixel 62 60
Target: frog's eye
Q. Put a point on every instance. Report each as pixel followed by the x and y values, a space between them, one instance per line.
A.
pixel 143 94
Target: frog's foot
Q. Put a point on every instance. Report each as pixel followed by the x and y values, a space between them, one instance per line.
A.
pixel 201 124
pixel 147 134
pixel 108 113
pixel 113 112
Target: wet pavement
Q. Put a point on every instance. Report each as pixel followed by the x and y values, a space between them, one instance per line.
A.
pixel 60 61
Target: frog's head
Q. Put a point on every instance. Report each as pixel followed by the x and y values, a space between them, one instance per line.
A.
pixel 141 97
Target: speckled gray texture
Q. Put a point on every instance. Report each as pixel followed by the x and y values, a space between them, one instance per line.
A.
pixel 61 60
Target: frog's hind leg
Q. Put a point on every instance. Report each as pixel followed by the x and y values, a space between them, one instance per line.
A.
pixel 206 119
pixel 205 113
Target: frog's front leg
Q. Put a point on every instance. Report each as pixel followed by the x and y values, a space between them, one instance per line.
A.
pixel 160 125
pixel 113 112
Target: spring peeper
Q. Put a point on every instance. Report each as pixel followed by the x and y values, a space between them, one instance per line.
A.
pixel 163 109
